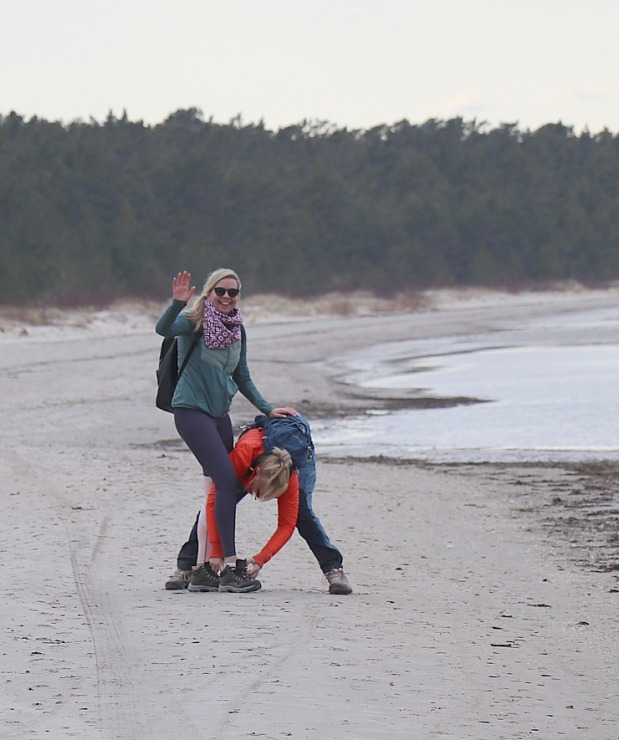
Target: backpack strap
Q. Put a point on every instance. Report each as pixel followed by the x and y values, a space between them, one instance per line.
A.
pixel 194 344
pixel 257 461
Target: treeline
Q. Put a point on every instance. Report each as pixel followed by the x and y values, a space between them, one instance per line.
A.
pixel 93 211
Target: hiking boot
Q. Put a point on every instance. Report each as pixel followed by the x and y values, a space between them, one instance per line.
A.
pixel 204 578
pixel 235 580
pixel 338 583
pixel 178 580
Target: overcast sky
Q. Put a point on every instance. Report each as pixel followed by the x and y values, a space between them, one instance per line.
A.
pixel 354 63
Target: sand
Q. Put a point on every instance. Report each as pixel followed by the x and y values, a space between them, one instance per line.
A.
pixel 485 596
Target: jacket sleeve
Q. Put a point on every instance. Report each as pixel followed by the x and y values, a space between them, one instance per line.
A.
pixel 246 385
pixel 242 456
pixel 170 324
pixel 287 514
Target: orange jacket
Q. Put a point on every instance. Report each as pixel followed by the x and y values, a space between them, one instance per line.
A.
pixel 246 450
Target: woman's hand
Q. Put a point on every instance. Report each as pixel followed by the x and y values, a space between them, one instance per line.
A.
pixel 180 287
pixel 285 411
pixel 252 568
pixel 217 564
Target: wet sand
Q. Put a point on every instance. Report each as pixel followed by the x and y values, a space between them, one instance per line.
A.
pixel 485 595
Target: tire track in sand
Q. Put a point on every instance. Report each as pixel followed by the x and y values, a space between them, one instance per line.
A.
pixel 283 653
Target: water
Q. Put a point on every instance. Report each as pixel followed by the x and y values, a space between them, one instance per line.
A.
pixel 539 402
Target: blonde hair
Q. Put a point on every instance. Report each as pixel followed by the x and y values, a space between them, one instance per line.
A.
pixel 273 474
pixel 195 314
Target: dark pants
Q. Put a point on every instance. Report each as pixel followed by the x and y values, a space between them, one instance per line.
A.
pixel 308 525
pixel 211 440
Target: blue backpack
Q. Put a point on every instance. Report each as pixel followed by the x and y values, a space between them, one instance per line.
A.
pixel 291 433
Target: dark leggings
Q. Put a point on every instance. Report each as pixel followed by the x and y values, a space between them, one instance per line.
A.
pixel 211 440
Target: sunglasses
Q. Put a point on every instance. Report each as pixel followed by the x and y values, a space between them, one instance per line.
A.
pixel 221 292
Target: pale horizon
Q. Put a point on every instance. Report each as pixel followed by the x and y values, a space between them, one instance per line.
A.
pixel 353 64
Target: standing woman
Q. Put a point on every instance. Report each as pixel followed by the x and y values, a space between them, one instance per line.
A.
pixel 216 370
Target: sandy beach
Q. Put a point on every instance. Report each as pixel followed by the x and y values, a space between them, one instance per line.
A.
pixel 485 595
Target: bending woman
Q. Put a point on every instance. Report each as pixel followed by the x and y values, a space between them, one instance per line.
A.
pixel 268 476
pixel 216 370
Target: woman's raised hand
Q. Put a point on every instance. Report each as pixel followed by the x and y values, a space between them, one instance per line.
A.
pixel 180 287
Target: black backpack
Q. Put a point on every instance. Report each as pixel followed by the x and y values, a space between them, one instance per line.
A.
pixel 168 372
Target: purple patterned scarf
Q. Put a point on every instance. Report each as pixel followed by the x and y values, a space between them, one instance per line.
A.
pixel 221 330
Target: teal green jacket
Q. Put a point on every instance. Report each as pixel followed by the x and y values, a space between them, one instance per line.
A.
pixel 212 377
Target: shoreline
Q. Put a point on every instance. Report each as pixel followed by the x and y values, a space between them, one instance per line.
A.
pixel 127 316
